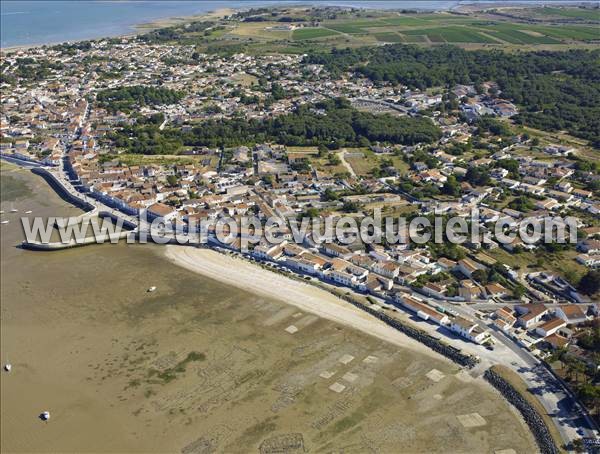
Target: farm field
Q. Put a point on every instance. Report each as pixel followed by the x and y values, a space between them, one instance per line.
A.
pixel 525 28
pixel 311 33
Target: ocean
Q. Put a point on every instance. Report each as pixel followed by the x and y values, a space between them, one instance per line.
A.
pixel 29 22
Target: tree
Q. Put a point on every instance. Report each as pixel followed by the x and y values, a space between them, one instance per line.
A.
pixel 333 159
pixel 451 186
pixel 172 180
pixel 480 276
pixel 478 176
pixel 590 282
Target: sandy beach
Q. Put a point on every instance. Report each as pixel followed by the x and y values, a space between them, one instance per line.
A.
pixel 210 362
pixel 246 276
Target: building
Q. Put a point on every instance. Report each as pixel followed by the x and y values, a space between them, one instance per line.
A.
pixel 468 329
pixel 571 314
pixel 550 327
pixel 469 290
pixel 468 267
pixel 423 310
pixel 530 314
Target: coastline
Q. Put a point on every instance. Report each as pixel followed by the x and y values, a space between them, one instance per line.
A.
pixel 244 275
pixel 144 27
pixel 137 29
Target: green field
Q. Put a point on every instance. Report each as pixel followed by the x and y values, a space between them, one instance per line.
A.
pixel 311 33
pixel 576 13
pixel 389 37
pixel 346 28
pixel 407 21
pixel 415 38
pixel 451 35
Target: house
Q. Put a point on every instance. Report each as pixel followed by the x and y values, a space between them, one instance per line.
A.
pixel 343 278
pixel 336 250
pixel 530 314
pixel 556 341
pixel 589 246
pixel 468 267
pixel 160 210
pixel 423 310
pixel 303 264
pixel 446 264
pixel 582 193
pixel 268 251
pixel 505 314
pixel 386 268
pixel 435 290
pixel 591 261
pixel 469 290
pixel 571 313
pixel 550 327
pixel 496 290
pixel 468 329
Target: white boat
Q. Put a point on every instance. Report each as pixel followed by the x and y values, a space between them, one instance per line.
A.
pixel 28 212
pixel 2 212
pixel 45 416
pixel 3 222
pixel 151 289
pixel 7 367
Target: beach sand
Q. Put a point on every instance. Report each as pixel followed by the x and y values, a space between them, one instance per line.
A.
pixel 244 275
pixel 203 366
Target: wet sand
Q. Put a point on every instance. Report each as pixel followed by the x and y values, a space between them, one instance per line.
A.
pixel 199 366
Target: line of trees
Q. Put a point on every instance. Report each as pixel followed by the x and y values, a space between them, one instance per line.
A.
pixel 332 124
pixel 125 98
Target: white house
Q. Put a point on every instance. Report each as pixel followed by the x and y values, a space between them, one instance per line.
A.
pixel 468 329
pixel 571 313
pixel 550 327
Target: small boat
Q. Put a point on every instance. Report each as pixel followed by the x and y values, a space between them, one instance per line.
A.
pixel 2 212
pixel 45 415
pixel 28 212
pixel 7 367
pixel 151 289
pixel 3 222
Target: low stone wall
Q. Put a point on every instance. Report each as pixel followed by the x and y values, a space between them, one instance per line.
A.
pixel 532 417
pixel 60 190
pixel 452 353
pixel 433 343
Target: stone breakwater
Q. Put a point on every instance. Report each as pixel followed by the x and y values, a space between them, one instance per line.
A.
pixel 452 353
pixel 532 417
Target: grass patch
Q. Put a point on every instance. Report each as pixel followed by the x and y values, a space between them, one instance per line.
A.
pixel 171 373
pixel 389 37
pixel 414 38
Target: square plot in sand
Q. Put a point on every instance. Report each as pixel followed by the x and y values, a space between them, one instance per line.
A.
pixel 291 329
pixel 350 377
pixel 346 359
pixel 471 420
pixel 326 374
pixel 370 359
pixel 434 375
pixel 337 387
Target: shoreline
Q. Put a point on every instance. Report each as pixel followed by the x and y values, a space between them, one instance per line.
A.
pixel 144 27
pixel 249 277
pixel 136 29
